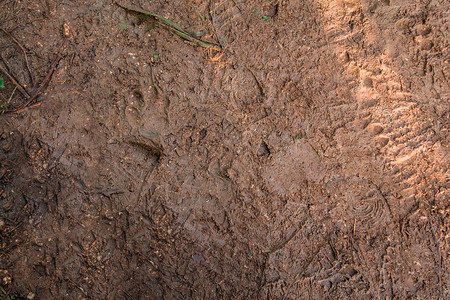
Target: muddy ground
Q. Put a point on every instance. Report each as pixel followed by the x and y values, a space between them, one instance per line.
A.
pixel 307 160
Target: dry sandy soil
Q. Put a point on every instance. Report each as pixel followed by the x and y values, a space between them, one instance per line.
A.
pixel 306 160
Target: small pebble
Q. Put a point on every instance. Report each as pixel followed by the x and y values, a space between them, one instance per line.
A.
pixel 375 128
pixel 368 82
pixel 366 103
pixel 423 30
pixel 6 280
pixel 66 30
pixel 31 296
pixel 426 44
pixel 382 141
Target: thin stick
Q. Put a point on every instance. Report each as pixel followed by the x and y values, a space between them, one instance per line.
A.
pixel 39 90
pixel 12 94
pixel 45 82
pixel 19 86
pixel 77 286
pixel 24 53
pixel 19 110
pixel 261 90
pixel 240 10
pixel 166 23
pixel 152 80
pixel 214 27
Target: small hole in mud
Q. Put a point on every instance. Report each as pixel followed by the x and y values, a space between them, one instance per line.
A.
pixel 263 149
pixel 138 94
pixel 203 133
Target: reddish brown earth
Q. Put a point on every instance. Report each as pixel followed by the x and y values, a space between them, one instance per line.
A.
pixel 307 160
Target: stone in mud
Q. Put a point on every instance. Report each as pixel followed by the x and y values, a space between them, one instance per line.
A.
pixel 375 128
pixel 423 30
pixel 368 82
pixel 382 141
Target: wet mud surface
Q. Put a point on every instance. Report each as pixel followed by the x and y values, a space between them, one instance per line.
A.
pixel 307 160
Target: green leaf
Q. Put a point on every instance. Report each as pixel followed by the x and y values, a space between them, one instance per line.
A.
pixel 268 251
pixel 124 26
pixel 297 137
pixel 168 24
pixel 2 84
pixel 155 56
pixel 258 12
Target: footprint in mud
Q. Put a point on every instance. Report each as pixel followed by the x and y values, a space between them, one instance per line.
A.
pixel 367 98
pixel 143 101
pixel 133 110
pixel 147 125
pixel 346 273
pixel 366 95
pixel 361 203
pixel 367 205
pixel 291 169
